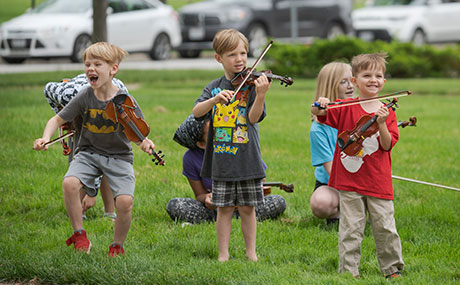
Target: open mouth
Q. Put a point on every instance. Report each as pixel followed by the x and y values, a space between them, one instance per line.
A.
pixel 93 79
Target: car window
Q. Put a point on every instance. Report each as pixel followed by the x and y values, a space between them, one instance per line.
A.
pixel 63 6
pixel 117 6
pixel 133 5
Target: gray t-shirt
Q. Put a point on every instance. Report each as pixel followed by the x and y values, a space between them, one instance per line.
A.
pixel 232 150
pixel 98 133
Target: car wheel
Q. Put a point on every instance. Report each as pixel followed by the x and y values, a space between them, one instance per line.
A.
pixel 419 37
pixel 81 43
pixel 14 60
pixel 189 53
pixel 161 48
pixel 257 37
pixel 334 30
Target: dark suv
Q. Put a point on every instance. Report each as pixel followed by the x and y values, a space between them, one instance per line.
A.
pixel 261 19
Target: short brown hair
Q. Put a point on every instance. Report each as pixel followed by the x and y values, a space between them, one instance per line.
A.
pixel 369 61
pixel 105 51
pixel 228 40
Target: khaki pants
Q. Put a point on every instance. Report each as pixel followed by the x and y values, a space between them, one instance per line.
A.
pixel 353 208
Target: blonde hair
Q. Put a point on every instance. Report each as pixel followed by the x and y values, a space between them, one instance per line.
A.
pixel 228 40
pixel 328 81
pixel 107 52
pixel 369 61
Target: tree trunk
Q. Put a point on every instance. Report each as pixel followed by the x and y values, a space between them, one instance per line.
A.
pixel 99 21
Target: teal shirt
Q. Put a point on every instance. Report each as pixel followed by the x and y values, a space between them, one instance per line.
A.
pixel 322 145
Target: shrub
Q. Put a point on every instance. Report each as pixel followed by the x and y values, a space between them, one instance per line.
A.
pixel 405 60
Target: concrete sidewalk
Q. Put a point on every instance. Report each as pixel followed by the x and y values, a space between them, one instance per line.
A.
pixel 133 61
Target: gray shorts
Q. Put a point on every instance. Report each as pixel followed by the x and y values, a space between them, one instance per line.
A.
pixel 87 167
pixel 237 193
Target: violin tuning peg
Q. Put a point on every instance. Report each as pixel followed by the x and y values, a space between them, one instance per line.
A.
pixel 159 152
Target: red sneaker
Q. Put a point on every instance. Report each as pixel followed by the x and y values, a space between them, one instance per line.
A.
pixel 116 249
pixel 81 243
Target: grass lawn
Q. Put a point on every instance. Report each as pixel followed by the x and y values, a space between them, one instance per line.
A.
pixel 297 248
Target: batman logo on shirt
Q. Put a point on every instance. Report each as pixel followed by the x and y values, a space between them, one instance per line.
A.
pixel 96 121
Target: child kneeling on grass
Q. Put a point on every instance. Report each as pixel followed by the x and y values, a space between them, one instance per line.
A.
pixel 364 180
pixel 103 147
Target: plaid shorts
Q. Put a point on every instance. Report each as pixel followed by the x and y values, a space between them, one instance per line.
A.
pixel 237 193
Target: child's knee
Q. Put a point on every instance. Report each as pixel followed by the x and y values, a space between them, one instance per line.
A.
pixel 124 202
pixel 71 185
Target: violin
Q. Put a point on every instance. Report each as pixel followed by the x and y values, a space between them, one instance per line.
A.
pixel 238 79
pixel 411 123
pixel 351 141
pixel 288 188
pixel 121 110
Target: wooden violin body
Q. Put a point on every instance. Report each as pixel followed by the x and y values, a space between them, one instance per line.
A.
pixel 351 141
pixel 121 109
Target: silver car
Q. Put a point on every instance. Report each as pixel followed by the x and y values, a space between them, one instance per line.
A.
pixel 63 28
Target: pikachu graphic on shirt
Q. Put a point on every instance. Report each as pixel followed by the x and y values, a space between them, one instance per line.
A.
pixel 226 115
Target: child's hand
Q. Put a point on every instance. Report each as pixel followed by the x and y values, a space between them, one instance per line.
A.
pixel 223 97
pixel 382 114
pixel 323 101
pixel 88 202
pixel 208 202
pixel 147 146
pixel 39 144
pixel 262 84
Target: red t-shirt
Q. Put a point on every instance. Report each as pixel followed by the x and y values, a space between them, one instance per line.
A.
pixel 370 173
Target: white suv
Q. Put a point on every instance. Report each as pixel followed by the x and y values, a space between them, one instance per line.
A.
pixel 419 21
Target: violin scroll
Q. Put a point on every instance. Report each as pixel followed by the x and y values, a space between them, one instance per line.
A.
pixel 411 123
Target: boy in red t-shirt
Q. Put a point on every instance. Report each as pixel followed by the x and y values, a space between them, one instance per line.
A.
pixel 364 180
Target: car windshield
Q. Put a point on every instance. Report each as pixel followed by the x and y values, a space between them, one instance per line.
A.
pixel 63 7
pixel 398 2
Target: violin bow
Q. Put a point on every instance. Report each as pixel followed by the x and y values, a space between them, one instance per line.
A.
pixel 69 134
pixel 426 183
pixel 333 105
pixel 251 70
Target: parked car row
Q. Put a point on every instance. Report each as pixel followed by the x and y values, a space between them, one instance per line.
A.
pixel 63 28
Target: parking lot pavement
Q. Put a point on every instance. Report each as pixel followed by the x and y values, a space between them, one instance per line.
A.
pixel 132 62
pixel 135 61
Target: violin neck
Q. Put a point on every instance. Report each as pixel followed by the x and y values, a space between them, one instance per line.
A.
pixel 273 184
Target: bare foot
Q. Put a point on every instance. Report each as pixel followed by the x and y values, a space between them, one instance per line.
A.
pixel 223 258
pixel 252 258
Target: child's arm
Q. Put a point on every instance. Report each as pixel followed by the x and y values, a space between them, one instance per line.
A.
pixel 203 108
pixel 262 85
pixel 385 136
pixel 51 127
pixel 200 193
pixel 323 101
